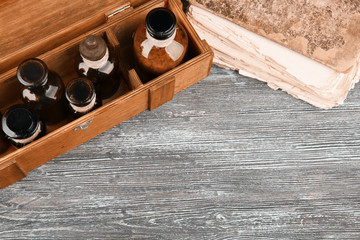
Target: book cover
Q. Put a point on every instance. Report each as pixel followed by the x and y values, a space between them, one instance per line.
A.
pixel 325 30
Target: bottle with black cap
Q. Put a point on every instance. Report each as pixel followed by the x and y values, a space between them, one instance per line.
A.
pixel 22 125
pixel 43 91
pixel 160 43
pixel 82 97
pixel 99 63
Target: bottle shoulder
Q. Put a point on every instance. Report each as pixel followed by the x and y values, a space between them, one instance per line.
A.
pixel 140 37
pixel 157 57
pixel 55 79
pixel 54 89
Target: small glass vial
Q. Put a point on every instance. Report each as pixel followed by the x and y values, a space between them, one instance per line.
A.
pixel 98 63
pixel 43 91
pixel 160 44
pixel 22 125
pixel 82 97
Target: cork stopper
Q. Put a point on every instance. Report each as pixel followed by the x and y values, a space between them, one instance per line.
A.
pixel 93 48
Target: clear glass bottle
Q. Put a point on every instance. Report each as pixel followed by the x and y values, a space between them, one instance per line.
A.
pixel 98 62
pixel 22 125
pixel 43 91
pixel 82 97
pixel 160 43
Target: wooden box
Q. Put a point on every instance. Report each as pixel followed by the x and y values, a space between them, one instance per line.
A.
pixel 52 31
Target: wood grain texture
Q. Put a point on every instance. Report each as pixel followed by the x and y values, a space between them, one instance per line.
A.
pixel 30 28
pixel 162 93
pixel 6 2
pixel 227 158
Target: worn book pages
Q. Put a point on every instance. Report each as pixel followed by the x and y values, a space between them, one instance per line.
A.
pixel 274 48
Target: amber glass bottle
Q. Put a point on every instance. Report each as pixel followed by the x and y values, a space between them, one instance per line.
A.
pixel 82 97
pixel 22 125
pixel 4 143
pixel 43 90
pixel 99 63
pixel 160 44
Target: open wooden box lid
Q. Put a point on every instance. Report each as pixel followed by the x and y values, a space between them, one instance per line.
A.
pixel 29 28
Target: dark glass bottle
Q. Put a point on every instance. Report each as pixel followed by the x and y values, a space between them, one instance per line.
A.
pixel 82 97
pixel 160 44
pixel 22 125
pixel 43 91
pixel 99 63
pixel 4 143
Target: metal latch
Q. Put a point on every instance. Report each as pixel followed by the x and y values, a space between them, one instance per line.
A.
pixel 83 126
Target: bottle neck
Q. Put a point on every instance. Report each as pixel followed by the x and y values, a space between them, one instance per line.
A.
pixel 98 63
pixel 160 43
pixel 85 108
pixel 43 84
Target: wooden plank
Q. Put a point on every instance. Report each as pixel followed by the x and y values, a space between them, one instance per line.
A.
pixel 134 80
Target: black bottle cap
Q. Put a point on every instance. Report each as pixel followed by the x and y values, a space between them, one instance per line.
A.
pixel 32 72
pixel 160 23
pixel 80 91
pixel 20 122
pixel 93 48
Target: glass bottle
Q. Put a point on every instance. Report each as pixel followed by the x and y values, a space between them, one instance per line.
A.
pixel 43 91
pixel 160 44
pixel 99 63
pixel 82 97
pixel 4 143
pixel 22 125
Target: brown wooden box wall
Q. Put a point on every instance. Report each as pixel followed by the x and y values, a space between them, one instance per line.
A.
pixel 60 48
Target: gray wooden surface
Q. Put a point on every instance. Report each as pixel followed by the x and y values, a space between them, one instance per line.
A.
pixel 228 158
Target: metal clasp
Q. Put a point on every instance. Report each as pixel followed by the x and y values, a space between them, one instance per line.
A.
pixel 83 126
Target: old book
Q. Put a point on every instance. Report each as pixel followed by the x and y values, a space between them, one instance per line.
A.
pixel 310 49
